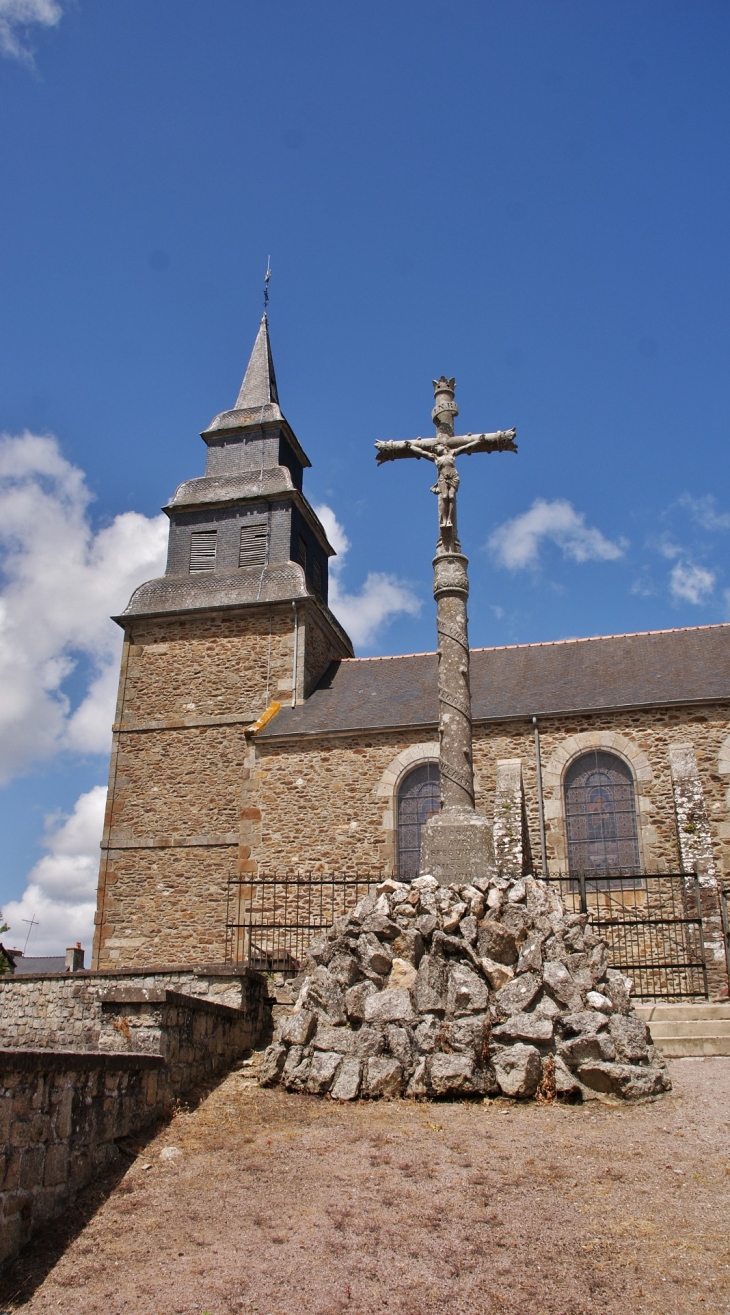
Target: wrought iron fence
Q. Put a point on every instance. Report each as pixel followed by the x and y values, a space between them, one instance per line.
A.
pixel 651 923
pixel 652 926
pixel 272 919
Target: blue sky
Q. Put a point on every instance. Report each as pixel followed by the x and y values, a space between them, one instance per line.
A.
pixel 531 197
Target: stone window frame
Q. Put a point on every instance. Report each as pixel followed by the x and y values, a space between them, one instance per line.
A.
pixel 722 824
pixel 416 755
pixel 553 786
pixel 723 763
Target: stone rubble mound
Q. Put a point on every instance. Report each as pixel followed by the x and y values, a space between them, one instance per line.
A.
pixel 485 989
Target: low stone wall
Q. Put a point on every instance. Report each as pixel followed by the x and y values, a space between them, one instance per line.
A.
pixel 60 1115
pixel 62 1011
pixel 61 1111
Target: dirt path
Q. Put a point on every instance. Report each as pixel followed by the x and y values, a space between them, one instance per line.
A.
pixel 272 1204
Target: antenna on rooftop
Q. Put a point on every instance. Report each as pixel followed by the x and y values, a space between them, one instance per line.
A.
pixel 31 924
pixel 267 276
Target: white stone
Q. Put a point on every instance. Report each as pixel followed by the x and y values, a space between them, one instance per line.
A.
pixel 451 1074
pixel 347 1082
pixel 598 1001
pixel 497 974
pixel 322 1071
pixel 402 975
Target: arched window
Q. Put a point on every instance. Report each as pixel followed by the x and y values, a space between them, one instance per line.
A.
pixel 418 799
pixel 600 813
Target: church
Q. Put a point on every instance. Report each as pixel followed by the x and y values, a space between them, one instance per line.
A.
pixel 250 741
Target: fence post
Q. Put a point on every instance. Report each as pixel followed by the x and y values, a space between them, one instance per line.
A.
pixel 702 938
pixel 725 929
pixel 582 884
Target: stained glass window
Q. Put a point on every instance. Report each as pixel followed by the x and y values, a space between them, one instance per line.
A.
pixel 418 799
pixel 600 813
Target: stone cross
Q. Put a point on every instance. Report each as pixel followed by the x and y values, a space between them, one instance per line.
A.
pixel 455 844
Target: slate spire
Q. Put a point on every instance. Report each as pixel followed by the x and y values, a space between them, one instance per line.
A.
pixel 259 382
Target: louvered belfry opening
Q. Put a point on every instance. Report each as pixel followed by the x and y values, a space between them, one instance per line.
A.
pixel 202 551
pixel 252 546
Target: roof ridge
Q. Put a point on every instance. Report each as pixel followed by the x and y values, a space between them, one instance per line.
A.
pixel 550 643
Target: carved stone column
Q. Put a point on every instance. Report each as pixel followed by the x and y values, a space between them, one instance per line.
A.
pixel 451 590
pixel 457 843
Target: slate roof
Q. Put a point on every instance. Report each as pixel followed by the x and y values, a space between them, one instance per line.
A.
pixel 653 668
pixel 44 963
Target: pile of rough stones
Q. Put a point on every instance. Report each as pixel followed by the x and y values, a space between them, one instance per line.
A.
pixel 485 989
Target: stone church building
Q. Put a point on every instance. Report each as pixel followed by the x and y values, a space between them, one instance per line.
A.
pixel 632 731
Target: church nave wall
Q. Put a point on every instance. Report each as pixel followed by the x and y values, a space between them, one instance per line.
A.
pixel 643 737
pixel 319 804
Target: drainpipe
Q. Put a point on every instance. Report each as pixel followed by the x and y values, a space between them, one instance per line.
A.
pixel 540 804
pixel 296 657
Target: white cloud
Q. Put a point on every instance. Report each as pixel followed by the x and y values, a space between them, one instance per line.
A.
pixel 17 16
pixel 381 598
pixel 61 891
pixel 691 584
pixel 703 511
pixel 517 542
pixel 60 582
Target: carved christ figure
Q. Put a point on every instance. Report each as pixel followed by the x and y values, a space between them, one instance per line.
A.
pixel 443 449
pixel 446 486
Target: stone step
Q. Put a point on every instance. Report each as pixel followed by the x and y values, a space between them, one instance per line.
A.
pixel 700 1027
pixel 686 1012
pixel 683 1030
pixel 684 1047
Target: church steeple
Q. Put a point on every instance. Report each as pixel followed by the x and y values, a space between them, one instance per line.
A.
pixel 259 382
pixel 243 534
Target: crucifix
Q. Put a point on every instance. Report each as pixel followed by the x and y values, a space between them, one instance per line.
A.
pixel 457 842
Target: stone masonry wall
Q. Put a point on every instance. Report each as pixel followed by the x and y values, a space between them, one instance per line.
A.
pixel 206 803
pixel 319 808
pixel 178 783
pixel 189 687
pixel 162 905
pixel 63 1011
pixel 60 1116
pixel 212 665
pixel 61 1113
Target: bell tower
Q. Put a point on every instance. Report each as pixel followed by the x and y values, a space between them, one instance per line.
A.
pixel 238 621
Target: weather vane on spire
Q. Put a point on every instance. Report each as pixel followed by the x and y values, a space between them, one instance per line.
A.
pixel 267 276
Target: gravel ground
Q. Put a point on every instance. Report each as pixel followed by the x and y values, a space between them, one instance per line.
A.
pixel 266 1202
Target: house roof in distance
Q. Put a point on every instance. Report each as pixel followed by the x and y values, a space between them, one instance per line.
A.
pixel 44 963
pixel 652 668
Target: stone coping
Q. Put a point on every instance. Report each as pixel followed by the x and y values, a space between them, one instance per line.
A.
pixel 87 974
pixel 63 1061
pixel 143 995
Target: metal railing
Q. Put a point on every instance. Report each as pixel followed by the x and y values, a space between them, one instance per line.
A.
pixel 651 922
pixel 652 926
pixel 272 919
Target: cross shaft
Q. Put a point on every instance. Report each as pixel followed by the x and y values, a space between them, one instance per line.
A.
pixel 451 589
